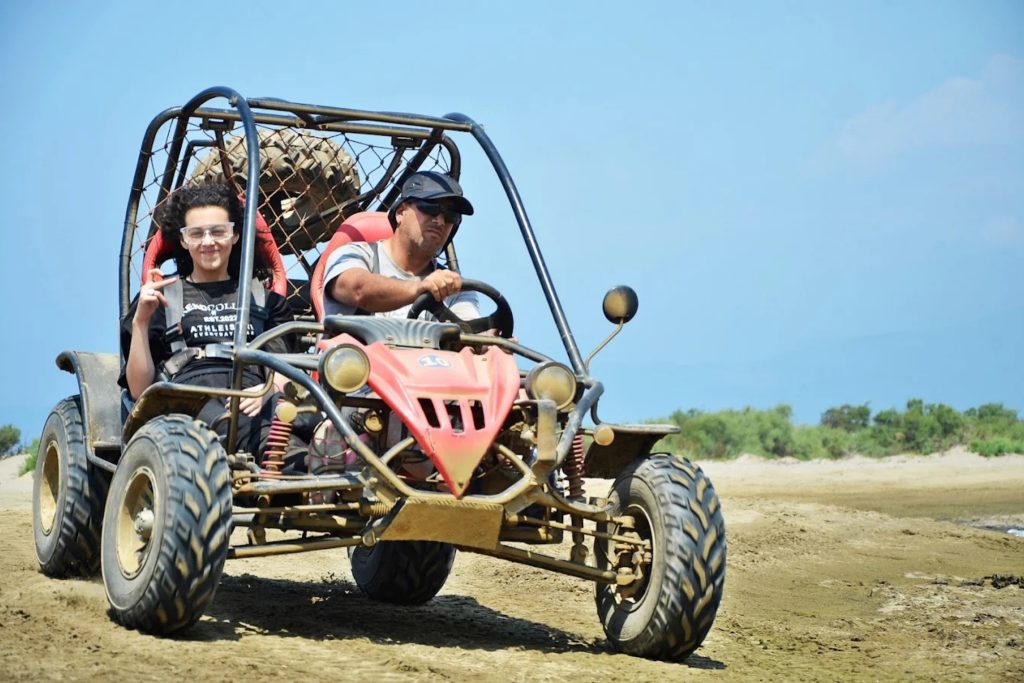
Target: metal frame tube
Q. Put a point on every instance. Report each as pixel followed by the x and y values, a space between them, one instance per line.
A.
pixel 134 197
pixel 561 322
pixel 446 122
pixel 288 547
pixel 535 559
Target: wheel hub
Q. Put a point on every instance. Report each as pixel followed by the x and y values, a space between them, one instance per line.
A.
pixel 49 487
pixel 633 557
pixel 136 520
pixel 144 523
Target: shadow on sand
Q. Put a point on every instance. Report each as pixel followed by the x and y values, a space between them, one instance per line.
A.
pixel 335 609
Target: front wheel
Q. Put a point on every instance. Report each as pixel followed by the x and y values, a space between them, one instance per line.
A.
pixel 67 497
pixel 402 572
pixel 672 545
pixel 167 524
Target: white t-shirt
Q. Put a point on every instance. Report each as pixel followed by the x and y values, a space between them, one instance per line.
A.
pixel 361 255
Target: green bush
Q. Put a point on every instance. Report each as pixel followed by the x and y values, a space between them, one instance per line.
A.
pixel 993 420
pixel 807 443
pixel 846 417
pixel 9 438
pixel 727 433
pixel 836 442
pixel 990 429
pixel 30 462
pixel 996 446
pixel 868 442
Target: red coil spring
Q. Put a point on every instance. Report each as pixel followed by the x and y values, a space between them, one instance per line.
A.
pixel 573 468
pixel 277 444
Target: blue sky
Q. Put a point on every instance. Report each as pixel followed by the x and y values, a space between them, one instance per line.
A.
pixel 817 203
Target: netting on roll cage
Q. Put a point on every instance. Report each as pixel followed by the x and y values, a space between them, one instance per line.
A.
pixel 310 180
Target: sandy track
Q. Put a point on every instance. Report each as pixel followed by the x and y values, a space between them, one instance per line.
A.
pixel 837 571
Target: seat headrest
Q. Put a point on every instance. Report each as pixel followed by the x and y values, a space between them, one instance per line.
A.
pixel 366 226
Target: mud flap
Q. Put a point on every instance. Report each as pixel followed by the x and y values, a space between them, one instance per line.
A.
pixel 629 443
pixel 101 397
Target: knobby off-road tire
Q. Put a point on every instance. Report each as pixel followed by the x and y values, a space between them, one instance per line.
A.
pixel 402 572
pixel 300 165
pixel 166 526
pixel 668 613
pixel 67 497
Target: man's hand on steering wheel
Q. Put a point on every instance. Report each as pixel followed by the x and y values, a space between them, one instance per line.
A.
pixel 441 284
pixel 501 320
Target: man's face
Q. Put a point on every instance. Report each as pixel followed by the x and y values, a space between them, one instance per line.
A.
pixel 425 232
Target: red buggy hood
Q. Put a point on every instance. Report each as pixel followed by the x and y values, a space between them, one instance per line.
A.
pixel 428 387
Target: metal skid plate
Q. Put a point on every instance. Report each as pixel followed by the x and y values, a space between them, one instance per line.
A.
pixel 465 523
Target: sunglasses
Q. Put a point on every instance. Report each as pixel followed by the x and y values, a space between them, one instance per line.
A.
pixel 429 208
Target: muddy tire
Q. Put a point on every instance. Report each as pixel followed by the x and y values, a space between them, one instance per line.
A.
pixel 301 175
pixel 67 496
pixel 668 611
pixel 166 525
pixel 402 572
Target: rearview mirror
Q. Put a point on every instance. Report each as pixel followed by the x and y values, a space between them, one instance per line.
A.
pixel 620 304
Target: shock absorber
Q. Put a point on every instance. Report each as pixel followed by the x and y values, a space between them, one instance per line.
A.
pixel 573 468
pixel 277 441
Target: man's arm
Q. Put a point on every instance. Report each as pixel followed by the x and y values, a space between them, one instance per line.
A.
pixel 377 294
pixel 374 293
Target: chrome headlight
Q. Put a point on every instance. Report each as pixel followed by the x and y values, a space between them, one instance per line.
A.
pixel 552 381
pixel 345 368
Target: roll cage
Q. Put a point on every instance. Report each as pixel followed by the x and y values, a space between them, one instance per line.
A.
pixel 427 132
pixel 416 142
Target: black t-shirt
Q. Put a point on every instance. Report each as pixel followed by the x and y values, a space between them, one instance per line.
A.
pixel 209 315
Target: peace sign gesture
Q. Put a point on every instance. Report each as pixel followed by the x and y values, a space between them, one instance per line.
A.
pixel 150 296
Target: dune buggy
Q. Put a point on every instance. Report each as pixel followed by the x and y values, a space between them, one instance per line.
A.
pixel 425 437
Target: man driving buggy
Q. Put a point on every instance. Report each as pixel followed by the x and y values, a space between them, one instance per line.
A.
pixel 384 278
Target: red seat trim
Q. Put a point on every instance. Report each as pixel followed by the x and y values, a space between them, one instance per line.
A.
pixel 366 226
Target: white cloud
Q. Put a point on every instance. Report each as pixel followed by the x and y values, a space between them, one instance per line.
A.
pixel 959 112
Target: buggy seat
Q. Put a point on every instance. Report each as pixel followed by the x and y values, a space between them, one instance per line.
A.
pixel 366 226
pixel 159 250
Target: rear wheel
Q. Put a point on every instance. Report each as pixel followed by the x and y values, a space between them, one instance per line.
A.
pixel 166 525
pixel 403 572
pixel 671 516
pixel 68 496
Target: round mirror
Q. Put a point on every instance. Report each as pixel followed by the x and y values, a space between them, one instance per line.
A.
pixel 620 304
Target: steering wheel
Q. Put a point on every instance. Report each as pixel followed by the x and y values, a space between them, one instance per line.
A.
pixel 501 320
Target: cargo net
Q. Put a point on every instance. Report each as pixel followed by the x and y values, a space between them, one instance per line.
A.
pixel 309 181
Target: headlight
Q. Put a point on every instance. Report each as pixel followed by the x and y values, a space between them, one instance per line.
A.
pixel 345 367
pixel 552 381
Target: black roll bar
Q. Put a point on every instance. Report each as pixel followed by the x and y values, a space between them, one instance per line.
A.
pixel 252 148
pixel 561 322
pixel 145 154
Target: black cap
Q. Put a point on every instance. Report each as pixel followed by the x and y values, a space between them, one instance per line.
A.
pixel 431 186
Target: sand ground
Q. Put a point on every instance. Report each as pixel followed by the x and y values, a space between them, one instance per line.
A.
pixel 857 569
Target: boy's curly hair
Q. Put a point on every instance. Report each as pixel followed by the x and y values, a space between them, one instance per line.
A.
pixel 170 216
